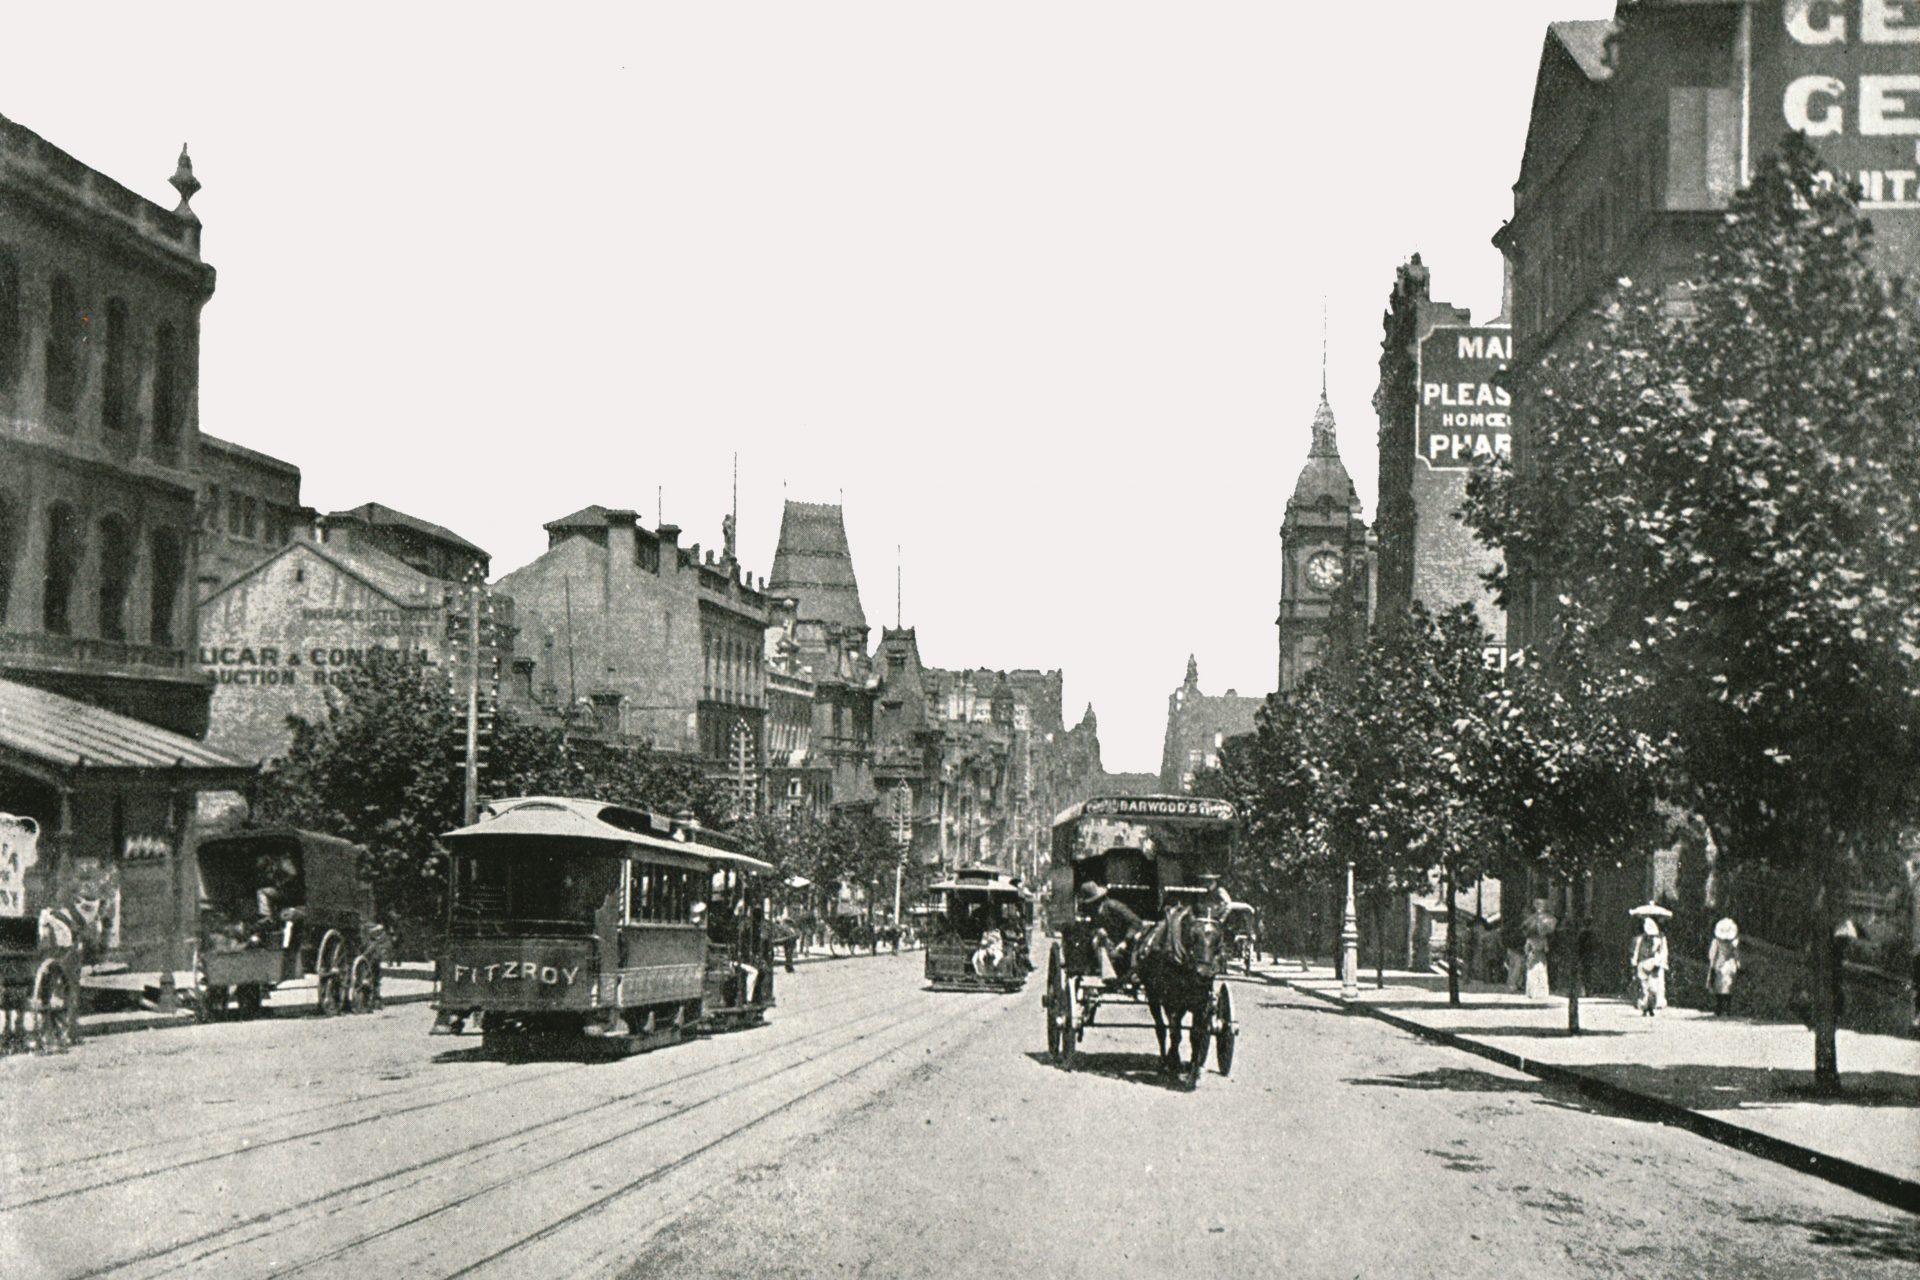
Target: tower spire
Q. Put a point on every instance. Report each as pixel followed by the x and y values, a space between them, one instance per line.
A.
pixel 1323 346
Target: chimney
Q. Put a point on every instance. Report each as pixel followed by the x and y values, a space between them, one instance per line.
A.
pixel 669 535
pixel 622 554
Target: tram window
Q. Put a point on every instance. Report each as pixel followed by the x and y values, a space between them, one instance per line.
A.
pixel 659 895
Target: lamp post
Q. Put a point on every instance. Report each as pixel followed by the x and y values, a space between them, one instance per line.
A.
pixel 1350 946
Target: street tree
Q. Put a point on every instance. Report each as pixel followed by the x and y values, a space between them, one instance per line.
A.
pixel 1725 502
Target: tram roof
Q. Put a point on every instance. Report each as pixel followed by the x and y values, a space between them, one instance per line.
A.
pixel 1201 809
pixel 570 818
pixel 1004 887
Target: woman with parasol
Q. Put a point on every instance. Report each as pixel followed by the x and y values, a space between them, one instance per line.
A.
pixel 1723 964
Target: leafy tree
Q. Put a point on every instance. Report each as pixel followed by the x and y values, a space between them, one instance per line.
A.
pixel 1727 504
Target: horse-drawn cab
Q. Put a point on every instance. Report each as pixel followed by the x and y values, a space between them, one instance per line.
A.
pixel 574 920
pixel 1160 858
pixel 979 933
pixel 280 904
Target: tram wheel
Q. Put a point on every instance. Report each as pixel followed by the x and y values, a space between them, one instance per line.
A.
pixel 1224 1032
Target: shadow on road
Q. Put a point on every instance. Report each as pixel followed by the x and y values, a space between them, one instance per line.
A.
pixel 1856 1237
pixel 1466 1080
pixel 1134 1068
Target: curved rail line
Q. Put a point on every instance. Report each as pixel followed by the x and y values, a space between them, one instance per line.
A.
pixel 469 1150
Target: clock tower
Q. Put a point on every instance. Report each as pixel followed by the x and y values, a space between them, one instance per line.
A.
pixel 1325 574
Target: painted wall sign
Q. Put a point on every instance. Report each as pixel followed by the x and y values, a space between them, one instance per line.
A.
pixel 19 850
pixel 1463 415
pixel 1850 81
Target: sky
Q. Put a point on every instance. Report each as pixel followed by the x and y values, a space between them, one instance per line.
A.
pixel 1035 288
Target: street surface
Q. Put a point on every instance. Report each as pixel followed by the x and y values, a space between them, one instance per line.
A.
pixel 874 1128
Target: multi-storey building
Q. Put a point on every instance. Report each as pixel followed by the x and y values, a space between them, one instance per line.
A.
pixel 101 707
pixel 249 508
pixel 620 628
pixel 429 548
pixel 813 567
pixel 1198 725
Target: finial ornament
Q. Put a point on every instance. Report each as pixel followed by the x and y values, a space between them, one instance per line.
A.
pixel 1323 346
pixel 186 184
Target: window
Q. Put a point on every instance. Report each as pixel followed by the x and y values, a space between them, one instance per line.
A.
pixel 166 390
pixel 66 343
pixel 66 543
pixel 1702 147
pixel 233 515
pixel 11 523
pixel 10 334
pixel 210 510
pixel 660 895
pixel 169 567
pixel 116 576
pixel 116 396
pixel 250 520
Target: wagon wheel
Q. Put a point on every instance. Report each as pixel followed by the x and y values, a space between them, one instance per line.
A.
pixel 56 1006
pixel 1059 1004
pixel 838 944
pixel 1224 1032
pixel 208 999
pixel 363 986
pixel 329 967
pixel 247 998
pixel 1068 999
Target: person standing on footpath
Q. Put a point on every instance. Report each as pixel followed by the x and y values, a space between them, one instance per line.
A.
pixel 1650 966
pixel 1723 965
pixel 1539 927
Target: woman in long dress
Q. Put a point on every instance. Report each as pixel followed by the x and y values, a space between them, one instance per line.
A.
pixel 1650 966
pixel 1723 964
pixel 1539 930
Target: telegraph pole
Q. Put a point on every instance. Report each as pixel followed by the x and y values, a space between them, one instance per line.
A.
pixel 472 803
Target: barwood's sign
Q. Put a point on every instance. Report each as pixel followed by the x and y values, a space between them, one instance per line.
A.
pixel 1158 807
pixel 1463 414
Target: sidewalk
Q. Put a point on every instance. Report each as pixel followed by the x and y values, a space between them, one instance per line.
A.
pixel 1747 1084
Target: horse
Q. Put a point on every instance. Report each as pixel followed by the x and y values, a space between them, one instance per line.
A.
pixel 1176 969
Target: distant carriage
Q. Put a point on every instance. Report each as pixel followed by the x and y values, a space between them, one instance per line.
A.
pixel 280 904
pixel 574 921
pixel 40 953
pixel 1160 856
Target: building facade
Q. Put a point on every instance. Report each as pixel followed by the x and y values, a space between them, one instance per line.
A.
pixel 1325 555
pixel 1198 726
pixel 620 628
pixel 813 567
pixel 101 707
pixel 427 547
pixel 1441 409
pixel 249 508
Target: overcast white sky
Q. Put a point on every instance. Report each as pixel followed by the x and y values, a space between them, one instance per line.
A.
pixel 1036 285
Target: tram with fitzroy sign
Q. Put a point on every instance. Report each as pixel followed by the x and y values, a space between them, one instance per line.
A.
pixel 579 922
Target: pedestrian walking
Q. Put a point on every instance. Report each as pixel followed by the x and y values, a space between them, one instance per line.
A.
pixel 1650 966
pixel 1723 964
pixel 1540 925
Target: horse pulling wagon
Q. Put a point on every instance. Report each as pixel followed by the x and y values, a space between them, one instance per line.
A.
pixel 1142 871
pixel 280 904
pixel 979 932
pixel 575 921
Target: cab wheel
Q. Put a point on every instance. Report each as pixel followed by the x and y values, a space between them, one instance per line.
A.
pixel 1224 1032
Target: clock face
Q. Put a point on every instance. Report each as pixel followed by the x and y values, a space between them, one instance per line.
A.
pixel 1324 571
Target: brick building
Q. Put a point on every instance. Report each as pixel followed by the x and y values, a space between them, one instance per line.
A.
pixel 101 707
pixel 1198 726
pixel 1325 554
pixel 435 551
pixel 621 627
pixel 249 508
pixel 1440 409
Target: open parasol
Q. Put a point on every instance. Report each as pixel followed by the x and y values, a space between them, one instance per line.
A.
pixel 1653 910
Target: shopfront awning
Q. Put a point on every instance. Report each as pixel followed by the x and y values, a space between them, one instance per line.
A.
pixel 60 740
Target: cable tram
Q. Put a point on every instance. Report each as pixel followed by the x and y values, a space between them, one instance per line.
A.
pixel 577 920
pixel 978 935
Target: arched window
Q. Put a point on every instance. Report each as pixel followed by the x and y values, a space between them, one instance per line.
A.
pixel 66 343
pixel 166 390
pixel 116 577
pixel 10 326
pixel 169 567
pixel 66 544
pixel 116 397
pixel 12 526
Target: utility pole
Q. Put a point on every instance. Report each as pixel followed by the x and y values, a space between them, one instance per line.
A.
pixel 472 803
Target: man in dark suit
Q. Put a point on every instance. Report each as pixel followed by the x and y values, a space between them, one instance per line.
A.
pixel 1115 927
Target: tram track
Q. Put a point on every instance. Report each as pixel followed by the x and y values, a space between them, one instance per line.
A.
pixel 237 1143
pixel 388 1184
